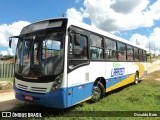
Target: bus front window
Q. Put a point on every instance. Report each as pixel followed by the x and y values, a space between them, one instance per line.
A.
pixel 40 55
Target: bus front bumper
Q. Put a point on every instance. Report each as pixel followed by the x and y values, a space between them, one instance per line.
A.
pixel 52 99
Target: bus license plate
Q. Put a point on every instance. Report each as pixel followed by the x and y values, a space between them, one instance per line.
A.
pixel 28 97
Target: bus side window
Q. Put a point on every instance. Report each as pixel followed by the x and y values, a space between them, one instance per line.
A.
pixel 121 51
pixel 129 53
pixel 136 56
pixel 78 49
pixel 140 55
pixel 144 56
pixel 96 47
pixel 110 49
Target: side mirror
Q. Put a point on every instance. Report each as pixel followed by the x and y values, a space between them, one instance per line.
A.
pixel 10 39
pixel 10 42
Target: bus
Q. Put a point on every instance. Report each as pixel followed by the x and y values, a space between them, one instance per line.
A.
pixel 61 62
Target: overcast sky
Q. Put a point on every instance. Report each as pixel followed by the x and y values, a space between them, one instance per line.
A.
pixel 134 20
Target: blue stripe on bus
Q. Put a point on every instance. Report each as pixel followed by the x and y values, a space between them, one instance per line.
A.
pixel 66 97
pixel 79 93
pixel 54 100
pixel 59 99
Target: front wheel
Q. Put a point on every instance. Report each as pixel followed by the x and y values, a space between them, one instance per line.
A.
pixel 98 92
pixel 136 79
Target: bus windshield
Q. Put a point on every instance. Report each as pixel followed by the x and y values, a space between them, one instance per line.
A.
pixel 40 54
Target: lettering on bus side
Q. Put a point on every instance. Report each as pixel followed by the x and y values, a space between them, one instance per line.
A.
pixel 117 70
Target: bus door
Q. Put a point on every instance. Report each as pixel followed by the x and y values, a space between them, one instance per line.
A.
pixel 78 61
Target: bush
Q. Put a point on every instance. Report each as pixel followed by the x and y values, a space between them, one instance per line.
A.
pixel 1 87
pixel 5 85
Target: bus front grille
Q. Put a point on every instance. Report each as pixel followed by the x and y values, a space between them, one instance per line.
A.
pixel 38 89
pixel 23 87
pixel 32 89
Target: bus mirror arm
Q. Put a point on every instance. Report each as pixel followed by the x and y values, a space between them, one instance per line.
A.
pixel 10 39
pixel 10 42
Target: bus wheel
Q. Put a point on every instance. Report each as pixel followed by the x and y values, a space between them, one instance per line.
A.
pixel 98 92
pixel 136 79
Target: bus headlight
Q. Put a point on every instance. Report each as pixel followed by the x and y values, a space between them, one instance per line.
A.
pixel 57 83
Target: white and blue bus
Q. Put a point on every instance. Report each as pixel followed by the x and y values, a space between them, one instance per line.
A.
pixel 60 62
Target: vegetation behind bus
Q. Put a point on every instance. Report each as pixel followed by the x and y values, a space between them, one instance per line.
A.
pixel 151 57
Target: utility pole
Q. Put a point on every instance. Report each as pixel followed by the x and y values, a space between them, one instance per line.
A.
pixel 149 46
pixel 154 50
pixel 137 42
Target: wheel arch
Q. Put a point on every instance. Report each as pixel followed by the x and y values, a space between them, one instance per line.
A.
pixel 137 72
pixel 102 80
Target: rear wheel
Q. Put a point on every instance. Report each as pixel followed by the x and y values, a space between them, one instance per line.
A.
pixel 98 92
pixel 136 79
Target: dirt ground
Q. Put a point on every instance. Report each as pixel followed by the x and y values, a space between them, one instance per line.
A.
pixel 8 101
pixel 151 67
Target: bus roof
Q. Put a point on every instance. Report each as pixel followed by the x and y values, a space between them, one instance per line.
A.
pixel 91 29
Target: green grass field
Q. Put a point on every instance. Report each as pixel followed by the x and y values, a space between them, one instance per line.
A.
pixel 142 97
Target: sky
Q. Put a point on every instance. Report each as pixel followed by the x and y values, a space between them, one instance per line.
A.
pixel 135 20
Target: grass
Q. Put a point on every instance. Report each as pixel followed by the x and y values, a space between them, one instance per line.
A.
pixel 1 87
pixel 142 97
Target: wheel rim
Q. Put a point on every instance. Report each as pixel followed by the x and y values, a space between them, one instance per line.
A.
pixel 96 93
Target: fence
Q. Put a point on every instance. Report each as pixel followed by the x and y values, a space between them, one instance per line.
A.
pixel 6 71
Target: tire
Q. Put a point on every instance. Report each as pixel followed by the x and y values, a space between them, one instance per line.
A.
pixel 136 79
pixel 98 92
